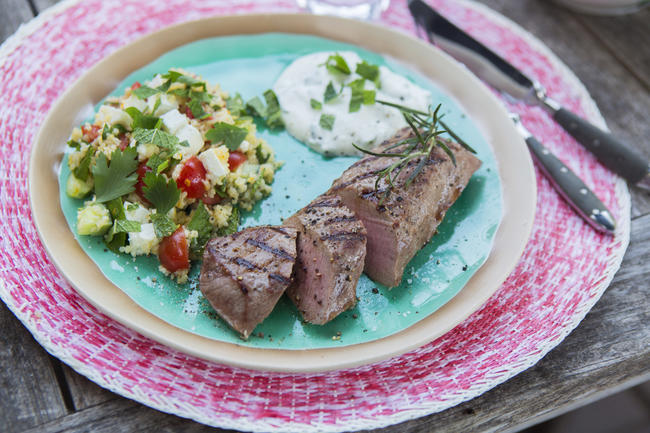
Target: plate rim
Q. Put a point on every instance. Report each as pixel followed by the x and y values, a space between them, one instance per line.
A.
pixel 517 217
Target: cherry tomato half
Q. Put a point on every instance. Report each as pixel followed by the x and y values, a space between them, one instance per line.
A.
pixel 173 251
pixel 191 178
pixel 90 132
pixel 236 159
pixel 136 85
pixel 142 170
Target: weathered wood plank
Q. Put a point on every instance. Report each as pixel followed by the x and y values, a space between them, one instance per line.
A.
pixel 85 393
pixel 14 12
pixel 622 35
pixel 29 390
pixel 623 100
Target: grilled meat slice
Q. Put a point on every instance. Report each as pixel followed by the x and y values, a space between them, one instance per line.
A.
pixel 244 274
pixel 331 252
pixel 407 218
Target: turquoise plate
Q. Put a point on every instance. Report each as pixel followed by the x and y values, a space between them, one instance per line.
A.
pixel 249 65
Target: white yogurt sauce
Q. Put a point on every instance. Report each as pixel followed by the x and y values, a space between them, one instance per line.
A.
pixel 306 78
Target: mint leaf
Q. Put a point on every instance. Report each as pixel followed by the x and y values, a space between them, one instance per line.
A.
pixel 191 81
pixel 157 137
pixel 196 107
pixel 112 238
pixel 233 223
pixel 162 225
pixel 83 169
pixel 143 92
pixel 357 97
pixel 273 114
pixel 316 105
pixel 368 71
pixel 201 223
pixel 230 135
pixel 118 178
pixel 127 226
pixel 235 105
pixel 330 93
pixel 160 192
pixel 327 121
pixel 141 120
pixel 369 97
pixel 337 64
pixel 255 107
pixel 262 157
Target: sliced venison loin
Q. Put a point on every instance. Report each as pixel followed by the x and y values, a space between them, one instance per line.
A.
pixel 331 251
pixel 244 274
pixel 400 225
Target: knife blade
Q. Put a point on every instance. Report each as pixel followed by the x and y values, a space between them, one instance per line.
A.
pixel 506 78
pixel 583 201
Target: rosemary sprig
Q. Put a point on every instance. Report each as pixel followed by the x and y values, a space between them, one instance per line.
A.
pixel 427 127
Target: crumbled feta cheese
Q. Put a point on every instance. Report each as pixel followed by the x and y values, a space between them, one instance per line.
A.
pixel 194 140
pixel 167 103
pixel 244 146
pixel 137 213
pixel 215 162
pixel 142 242
pixel 113 116
pixel 134 101
pixel 156 81
pixel 174 121
pixel 146 150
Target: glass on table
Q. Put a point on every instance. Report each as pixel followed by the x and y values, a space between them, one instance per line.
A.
pixel 357 9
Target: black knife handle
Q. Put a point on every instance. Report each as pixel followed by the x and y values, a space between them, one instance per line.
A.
pixel 613 153
pixel 572 188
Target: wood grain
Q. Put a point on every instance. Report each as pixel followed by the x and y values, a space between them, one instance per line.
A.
pixel 29 390
pixel 607 351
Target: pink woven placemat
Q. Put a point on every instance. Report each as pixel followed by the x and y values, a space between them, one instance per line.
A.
pixel 564 270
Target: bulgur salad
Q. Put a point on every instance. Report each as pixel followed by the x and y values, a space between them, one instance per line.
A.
pixel 166 166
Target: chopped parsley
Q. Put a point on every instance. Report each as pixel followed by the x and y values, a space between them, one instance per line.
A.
pixel 143 92
pixel 114 239
pixel 201 223
pixel 196 107
pixel 230 135
pixel 262 156
pixel 273 117
pixel 316 105
pixel 235 104
pixel 83 169
pixel 330 93
pixel 255 107
pixel 327 121
pixel 142 120
pixel 233 223
pixel 118 178
pixel 105 131
pixel 368 71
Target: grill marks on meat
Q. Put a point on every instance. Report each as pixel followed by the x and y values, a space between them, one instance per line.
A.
pixel 244 274
pixel 408 217
pixel 331 252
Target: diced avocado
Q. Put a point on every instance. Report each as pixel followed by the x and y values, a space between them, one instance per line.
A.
pixel 77 188
pixel 93 219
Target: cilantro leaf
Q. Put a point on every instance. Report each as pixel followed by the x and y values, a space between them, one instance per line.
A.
pixel 327 121
pixel 118 178
pixel 330 93
pixel 143 92
pixel 273 114
pixel 162 193
pixel 230 135
pixel 233 223
pixel 262 156
pixel 83 169
pixel 158 137
pixel 201 223
pixel 255 107
pixel 368 71
pixel 316 105
pixel 235 104
pixel 141 120
pixel 336 63
pixel 162 225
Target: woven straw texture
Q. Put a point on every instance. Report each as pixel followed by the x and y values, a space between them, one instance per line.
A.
pixel 564 270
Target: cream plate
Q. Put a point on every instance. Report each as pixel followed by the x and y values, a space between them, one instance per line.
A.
pixel 514 165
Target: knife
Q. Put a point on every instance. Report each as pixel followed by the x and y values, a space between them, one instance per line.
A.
pixel 583 201
pixel 497 72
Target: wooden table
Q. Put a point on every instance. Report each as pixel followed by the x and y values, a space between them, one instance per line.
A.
pixel 608 352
